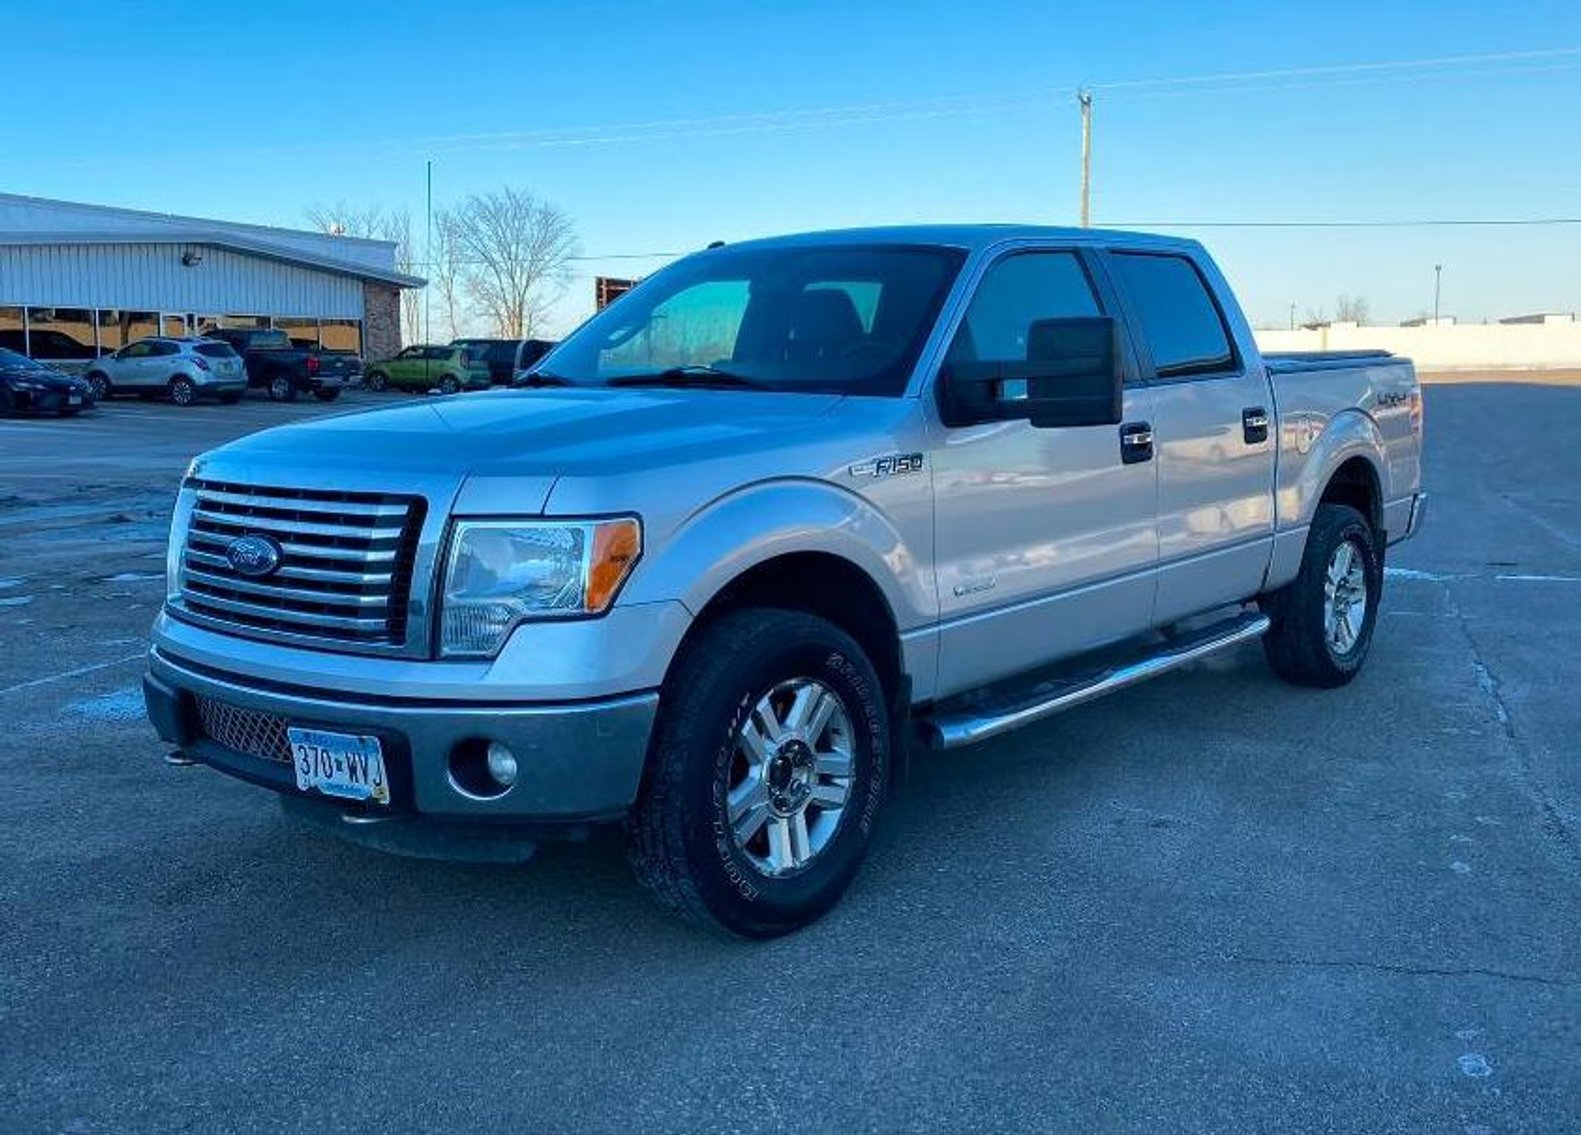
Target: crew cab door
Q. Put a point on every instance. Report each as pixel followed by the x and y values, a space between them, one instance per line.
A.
pixel 1213 431
pixel 1044 538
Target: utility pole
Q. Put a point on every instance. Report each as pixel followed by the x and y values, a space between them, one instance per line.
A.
pixel 1438 285
pixel 1292 317
pixel 428 255
pixel 1084 97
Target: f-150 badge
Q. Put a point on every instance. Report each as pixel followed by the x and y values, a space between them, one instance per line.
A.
pixel 891 466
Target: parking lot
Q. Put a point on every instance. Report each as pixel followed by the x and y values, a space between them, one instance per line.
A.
pixel 1213 902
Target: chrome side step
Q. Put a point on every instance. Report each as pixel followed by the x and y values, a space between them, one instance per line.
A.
pixel 953 729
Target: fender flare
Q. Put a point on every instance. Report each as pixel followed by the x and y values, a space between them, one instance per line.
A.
pixel 760 522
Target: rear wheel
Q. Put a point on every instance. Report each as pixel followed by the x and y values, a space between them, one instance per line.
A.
pixel 1323 620
pixel 181 391
pixel 326 395
pixel 100 382
pixel 768 768
pixel 376 381
pixel 448 384
pixel 281 388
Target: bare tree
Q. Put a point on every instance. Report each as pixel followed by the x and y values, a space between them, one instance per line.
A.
pixel 1351 309
pixel 341 219
pixel 375 222
pixel 516 251
pixel 445 272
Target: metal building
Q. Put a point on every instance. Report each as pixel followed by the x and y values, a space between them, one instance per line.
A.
pixel 79 280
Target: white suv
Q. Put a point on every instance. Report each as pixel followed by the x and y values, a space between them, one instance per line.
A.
pixel 182 368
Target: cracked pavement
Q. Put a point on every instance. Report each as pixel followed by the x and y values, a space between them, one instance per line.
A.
pixel 1209 903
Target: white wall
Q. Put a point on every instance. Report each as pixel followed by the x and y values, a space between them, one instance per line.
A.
pixel 1496 346
pixel 151 277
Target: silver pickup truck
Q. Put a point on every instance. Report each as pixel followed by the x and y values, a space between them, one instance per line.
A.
pixel 781 511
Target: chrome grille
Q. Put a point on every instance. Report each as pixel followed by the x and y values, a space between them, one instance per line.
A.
pixel 345 570
pixel 245 730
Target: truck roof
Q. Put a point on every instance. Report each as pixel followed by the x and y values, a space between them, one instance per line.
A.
pixel 971 237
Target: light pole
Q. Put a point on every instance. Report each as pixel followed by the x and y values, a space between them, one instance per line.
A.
pixel 1292 317
pixel 1438 284
pixel 1084 98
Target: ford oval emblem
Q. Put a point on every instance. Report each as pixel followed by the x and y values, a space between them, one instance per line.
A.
pixel 253 555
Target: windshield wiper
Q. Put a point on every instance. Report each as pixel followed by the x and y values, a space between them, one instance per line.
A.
pixel 693 374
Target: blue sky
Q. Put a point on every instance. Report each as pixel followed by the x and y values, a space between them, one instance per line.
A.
pixel 255 114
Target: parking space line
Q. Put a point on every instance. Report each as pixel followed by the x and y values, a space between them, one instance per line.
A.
pixel 77 673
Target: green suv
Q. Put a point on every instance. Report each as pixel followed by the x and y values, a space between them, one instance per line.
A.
pixel 425 367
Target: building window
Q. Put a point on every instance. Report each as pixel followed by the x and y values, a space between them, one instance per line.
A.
pixel 11 327
pixel 118 328
pixel 341 335
pixel 303 332
pixel 60 334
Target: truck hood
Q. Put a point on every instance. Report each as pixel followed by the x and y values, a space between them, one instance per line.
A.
pixel 532 437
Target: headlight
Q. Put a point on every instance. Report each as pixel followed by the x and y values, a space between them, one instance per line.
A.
pixel 180 519
pixel 502 572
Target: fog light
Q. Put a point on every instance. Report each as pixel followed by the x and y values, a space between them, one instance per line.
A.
pixel 502 764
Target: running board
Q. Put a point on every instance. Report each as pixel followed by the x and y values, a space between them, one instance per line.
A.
pixel 967 726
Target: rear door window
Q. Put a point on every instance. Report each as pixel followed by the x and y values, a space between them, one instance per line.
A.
pixel 1179 318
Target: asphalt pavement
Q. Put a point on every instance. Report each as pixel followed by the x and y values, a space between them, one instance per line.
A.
pixel 1209 903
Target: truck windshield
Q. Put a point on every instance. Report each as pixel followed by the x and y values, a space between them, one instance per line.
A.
pixel 849 320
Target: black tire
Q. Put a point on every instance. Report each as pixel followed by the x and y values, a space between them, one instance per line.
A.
pixel 376 381
pixel 181 391
pixel 1298 644
pixel 230 397
pixel 281 388
pixel 680 841
pixel 326 395
pixel 449 385
pixel 100 382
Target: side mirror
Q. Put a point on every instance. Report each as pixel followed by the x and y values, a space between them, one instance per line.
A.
pixel 1071 377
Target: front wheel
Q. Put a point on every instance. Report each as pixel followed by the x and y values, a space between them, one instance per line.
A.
pixel 376 381
pixel 766 776
pixel 1323 620
pixel 182 392
pixel 281 388
pixel 100 383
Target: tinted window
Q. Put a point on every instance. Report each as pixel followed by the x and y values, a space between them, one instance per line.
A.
pixel 163 348
pixel 215 350
pixel 1180 321
pixel 1015 294
pixel 845 319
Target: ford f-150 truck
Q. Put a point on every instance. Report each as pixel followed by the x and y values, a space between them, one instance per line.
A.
pixel 284 370
pixel 789 506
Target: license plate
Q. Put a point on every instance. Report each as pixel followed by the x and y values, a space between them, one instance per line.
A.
pixel 339 764
pixel 74 400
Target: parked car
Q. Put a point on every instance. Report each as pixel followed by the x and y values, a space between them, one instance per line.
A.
pixel 789 504
pixel 286 370
pixel 48 345
pixel 183 369
pixel 28 386
pixel 430 367
pixel 506 358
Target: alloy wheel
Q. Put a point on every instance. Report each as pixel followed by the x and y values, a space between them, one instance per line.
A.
pixel 1345 598
pixel 791 775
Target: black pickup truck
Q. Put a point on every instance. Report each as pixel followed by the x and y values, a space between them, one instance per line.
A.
pixel 286 371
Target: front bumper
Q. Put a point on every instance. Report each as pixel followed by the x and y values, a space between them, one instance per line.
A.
pixel 579 761
pixel 50 401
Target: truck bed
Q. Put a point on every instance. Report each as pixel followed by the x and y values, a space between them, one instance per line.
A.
pixel 1294 362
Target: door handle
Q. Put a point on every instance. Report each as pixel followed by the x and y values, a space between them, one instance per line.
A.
pixel 1254 425
pixel 1136 443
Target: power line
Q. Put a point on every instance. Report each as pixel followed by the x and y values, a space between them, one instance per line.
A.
pixel 855 114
